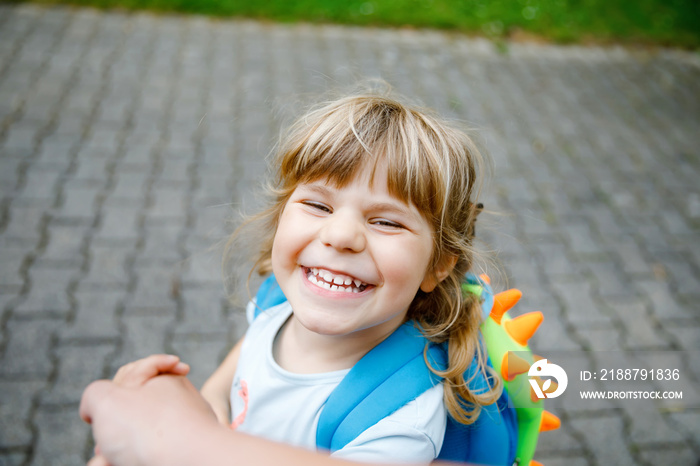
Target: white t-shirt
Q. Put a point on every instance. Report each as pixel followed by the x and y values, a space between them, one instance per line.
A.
pixel 270 402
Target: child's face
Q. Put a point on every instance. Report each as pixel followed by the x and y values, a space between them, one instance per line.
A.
pixel 350 260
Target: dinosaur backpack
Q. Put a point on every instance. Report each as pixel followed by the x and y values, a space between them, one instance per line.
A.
pixel 395 372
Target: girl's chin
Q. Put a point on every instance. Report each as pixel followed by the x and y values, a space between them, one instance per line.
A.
pixel 322 326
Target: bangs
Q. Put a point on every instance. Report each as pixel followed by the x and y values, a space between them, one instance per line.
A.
pixel 336 142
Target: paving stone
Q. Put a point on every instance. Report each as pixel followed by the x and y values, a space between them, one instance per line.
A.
pixel 12 261
pixel 22 136
pixel 641 329
pixel 65 245
pixel 160 243
pixel 119 222
pixel 54 155
pixel 581 239
pixel 204 310
pixel 77 367
pixel 48 293
pixel 690 422
pixel 213 222
pixel 168 203
pixel 688 333
pixel 664 303
pixel 632 258
pixel 107 267
pixel 40 187
pixel 683 275
pixel 203 353
pixel 91 170
pixel 579 307
pixel 143 335
pixel 13 459
pixel 559 441
pixel 135 167
pixel 63 437
pixel 15 405
pixel 555 261
pixel 604 437
pixel 27 353
pixel 610 282
pixel 96 316
pixel 203 265
pixel 156 290
pixel 79 202
pixel 552 335
pixel 672 454
pixel 24 224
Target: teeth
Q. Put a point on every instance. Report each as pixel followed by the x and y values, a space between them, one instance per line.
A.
pixel 329 281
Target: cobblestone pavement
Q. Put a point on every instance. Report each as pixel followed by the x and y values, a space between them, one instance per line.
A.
pixel 128 140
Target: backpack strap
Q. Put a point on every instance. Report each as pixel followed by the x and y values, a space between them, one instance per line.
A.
pixel 368 392
pixel 269 295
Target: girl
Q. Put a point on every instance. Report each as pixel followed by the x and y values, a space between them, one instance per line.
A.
pixel 370 225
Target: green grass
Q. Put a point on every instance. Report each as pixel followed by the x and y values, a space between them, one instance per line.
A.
pixel 656 22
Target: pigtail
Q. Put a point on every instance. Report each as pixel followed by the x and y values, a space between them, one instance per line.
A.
pixel 460 329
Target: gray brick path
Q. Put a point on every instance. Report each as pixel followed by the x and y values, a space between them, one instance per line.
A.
pixel 128 140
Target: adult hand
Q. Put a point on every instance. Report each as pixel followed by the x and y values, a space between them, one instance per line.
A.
pixel 145 425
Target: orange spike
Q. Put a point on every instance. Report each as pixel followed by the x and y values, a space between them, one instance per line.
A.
pixel 486 279
pixel 513 365
pixel 549 422
pixel 535 463
pixel 504 301
pixel 523 327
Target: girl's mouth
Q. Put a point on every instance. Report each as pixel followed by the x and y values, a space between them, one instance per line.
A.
pixel 334 282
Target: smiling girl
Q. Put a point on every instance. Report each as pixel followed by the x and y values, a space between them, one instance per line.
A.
pixel 370 225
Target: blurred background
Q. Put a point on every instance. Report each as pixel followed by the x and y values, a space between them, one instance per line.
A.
pixel 659 22
pixel 132 135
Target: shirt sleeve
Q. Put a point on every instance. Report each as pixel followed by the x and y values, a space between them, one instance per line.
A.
pixel 412 434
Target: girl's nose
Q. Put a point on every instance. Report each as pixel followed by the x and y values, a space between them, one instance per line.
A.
pixel 344 233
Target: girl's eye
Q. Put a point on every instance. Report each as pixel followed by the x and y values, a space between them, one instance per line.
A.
pixel 388 224
pixel 317 206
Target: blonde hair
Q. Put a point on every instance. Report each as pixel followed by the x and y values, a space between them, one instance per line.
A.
pixel 433 165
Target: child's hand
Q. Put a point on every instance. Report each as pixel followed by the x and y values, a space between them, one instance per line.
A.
pixel 135 374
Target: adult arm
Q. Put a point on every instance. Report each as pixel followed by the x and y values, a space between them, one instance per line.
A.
pixel 167 422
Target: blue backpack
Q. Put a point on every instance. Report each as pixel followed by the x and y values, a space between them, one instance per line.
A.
pixel 395 373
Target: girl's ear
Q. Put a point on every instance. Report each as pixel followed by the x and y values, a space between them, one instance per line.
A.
pixel 432 278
